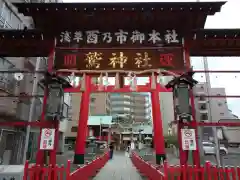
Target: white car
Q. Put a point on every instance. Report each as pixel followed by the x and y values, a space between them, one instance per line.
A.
pixel 210 149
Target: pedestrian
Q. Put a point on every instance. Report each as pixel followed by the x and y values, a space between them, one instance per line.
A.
pixel 127 151
pixel 111 148
pixel 132 148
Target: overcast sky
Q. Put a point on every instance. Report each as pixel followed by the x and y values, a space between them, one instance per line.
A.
pixel 229 17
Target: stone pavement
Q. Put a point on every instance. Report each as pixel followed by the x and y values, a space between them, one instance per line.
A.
pixel 119 168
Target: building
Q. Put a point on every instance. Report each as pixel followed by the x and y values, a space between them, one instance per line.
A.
pixel 130 108
pixel 99 106
pixel 167 110
pixel 126 109
pixel 213 109
pixel 12 139
pixel 230 133
pixel 15 109
pixel 207 109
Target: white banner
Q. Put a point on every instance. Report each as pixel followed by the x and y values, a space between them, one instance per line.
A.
pixel 189 139
pixel 47 139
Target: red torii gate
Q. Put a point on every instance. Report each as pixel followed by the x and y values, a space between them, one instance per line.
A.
pixel 42 42
pixel 93 88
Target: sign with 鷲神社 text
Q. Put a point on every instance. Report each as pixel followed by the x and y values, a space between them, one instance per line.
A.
pixel 118 38
pixel 119 59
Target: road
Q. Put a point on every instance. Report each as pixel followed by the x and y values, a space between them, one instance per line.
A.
pixel 232 159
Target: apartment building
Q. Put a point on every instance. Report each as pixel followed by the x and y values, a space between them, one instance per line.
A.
pixel 99 106
pixel 213 109
pixel 124 108
pixel 14 109
pixel 167 110
pixel 130 108
pixel 207 109
pixel 12 139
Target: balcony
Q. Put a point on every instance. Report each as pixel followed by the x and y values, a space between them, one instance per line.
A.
pixel 202 99
pixel 7 84
pixel 140 118
pixel 65 111
pixel 120 98
pixel 23 110
pixel 121 110
pixel 204 117
pixel 42 65
pixel 120 105
pixel 8 107
pixel 203 108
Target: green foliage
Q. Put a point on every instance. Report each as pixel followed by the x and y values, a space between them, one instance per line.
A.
pixel 171 140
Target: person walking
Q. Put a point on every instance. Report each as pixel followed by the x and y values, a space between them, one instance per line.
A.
pixel 132 148
pixel 127 151
pixel 111 148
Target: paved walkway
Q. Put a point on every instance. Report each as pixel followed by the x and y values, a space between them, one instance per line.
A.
pixel 119 168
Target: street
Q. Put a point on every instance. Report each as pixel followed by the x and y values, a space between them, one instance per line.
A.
pixel 231 159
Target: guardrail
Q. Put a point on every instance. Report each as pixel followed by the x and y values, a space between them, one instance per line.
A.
pixel 90 170
pixel 56 172
pixel 147 169
pixel 185 172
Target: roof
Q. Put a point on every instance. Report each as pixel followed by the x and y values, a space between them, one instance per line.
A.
pixel 135 14
pixel 215 42
pixel 25 43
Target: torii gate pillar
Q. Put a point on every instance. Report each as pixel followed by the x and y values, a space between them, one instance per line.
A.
pixel 82 124
pixel 159 143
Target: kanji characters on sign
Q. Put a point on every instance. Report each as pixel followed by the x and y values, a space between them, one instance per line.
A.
pixel 121 37
pixel 47 139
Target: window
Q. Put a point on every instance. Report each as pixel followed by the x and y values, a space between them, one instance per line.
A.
pixel 208 145
pixel 219 104
pixel 204 117
pixel 5 64
pixel 93 99
pixel 202 98
pixel 8 18
pixel 92 109
pixel 65 110
pixel 203 107
pixel 74 129
pixel 6 79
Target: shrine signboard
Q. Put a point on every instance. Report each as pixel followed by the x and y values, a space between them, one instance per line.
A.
pixel 122 50
pixel 127 59
pixel 119 38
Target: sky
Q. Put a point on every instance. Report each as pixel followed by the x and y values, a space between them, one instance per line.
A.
pixel 229 17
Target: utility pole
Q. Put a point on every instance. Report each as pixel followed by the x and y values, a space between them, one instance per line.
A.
pixel 109 134
pixel 214 129
pixel 100 129
pixel 32 107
